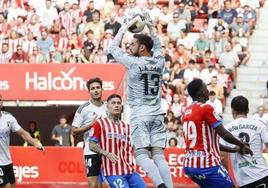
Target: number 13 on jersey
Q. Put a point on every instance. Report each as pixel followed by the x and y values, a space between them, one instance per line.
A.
pixel 190 133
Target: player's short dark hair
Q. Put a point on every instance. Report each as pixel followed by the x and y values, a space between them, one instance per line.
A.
pixel 212 93
pixel 194 87
pixel 240 104
pixel 92 80
pixel 145 40
pixel 114 96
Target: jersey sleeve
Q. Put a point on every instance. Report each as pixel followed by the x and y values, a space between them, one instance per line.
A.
pixel 78 119
pixel 119 54
pixel 14 124
pixel 95 132
pixel 211 117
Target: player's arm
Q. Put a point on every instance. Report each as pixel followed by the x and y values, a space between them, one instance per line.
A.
pixel 157 43
pixel 228 137
pixel 119 54
pixel 94 139
pixel 215 122
pixel 72 140
pixel 77 125
pixel 229 149
pixel 27 137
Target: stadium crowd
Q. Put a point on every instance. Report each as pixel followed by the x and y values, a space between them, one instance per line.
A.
pixel 200 39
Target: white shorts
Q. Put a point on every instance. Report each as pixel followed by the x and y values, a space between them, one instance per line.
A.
pixel 148 131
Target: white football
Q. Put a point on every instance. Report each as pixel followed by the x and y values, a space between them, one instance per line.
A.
pixel 139 25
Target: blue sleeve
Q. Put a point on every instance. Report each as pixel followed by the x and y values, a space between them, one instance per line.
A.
pixel 216 124
pixel 94 139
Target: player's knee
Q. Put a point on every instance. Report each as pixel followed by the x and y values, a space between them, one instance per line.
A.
pixel 142 152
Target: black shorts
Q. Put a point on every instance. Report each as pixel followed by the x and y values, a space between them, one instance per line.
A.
pixel 7 174
pixel 93 164
pixel 262 183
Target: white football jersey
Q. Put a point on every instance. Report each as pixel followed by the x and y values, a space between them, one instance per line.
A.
pixel 85 115
pixel 8 124
pixel 247 168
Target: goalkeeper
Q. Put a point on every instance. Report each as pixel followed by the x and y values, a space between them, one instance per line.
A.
pixel 144 66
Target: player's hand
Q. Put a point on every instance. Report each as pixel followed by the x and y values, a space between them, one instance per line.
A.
pixel 112 157
pixel 148 19
pixel 245 150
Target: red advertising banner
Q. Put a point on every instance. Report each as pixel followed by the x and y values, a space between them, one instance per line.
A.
pixel 65 164
pixel 57 81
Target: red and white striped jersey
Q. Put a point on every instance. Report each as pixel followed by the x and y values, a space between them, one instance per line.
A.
pixel 66 21
pixel 28 46
pixel 5 57
pixel 202 142
pixel 12 43
pixel 114 138
pixel 61 43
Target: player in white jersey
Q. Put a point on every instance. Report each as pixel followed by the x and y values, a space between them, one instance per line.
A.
pixel 250 171
pixel 9 124
pixel 144 72
pixel 84 118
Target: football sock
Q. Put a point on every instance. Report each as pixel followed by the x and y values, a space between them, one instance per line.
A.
pixel 143 160
pixel 161 163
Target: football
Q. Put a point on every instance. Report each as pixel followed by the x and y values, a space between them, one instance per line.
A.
pixel 139 25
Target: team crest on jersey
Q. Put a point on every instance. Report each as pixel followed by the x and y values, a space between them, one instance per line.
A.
pixel 216 115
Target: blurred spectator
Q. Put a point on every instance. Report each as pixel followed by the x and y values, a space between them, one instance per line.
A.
pixel 180 137
pixel 36 56
pixel 215 102
pixel 14 11
pixel 164 18
pixel 217 44
pixel 90 11
pixel 181 56
pixel 13 41
pixel 112 24
pixel 44 44
pixel 185 15
pixel 218 89
pixel 54 55
pixel 170 130
pixel 153 10
pixel 261 114
pixel 74 42
pixel 65 18
pixel 176 77
pixel 191 72
pixel 96 26
pixel 201 45
pixel 47 14
pixel 250 16
pixel 228 13
pixel 230 60
pixel 177 105
pixel 221 26
pixel 185 41
pixel 28 43
pixel 224 80
pixel 61 133
pixel 19 56
pixel 207 73
pixel 5 54
pixel 34 132
pixel 172 142
pixel 61 41
pixel 174 27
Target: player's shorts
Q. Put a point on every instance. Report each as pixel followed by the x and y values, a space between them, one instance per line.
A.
pixel 262 183
pixel 7 174
pixel 216 176
pixel 93 164
pixel 133 180
pixel 148 131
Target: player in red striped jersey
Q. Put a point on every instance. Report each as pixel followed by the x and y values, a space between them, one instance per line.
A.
pixel 202 128
pixel 110 137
